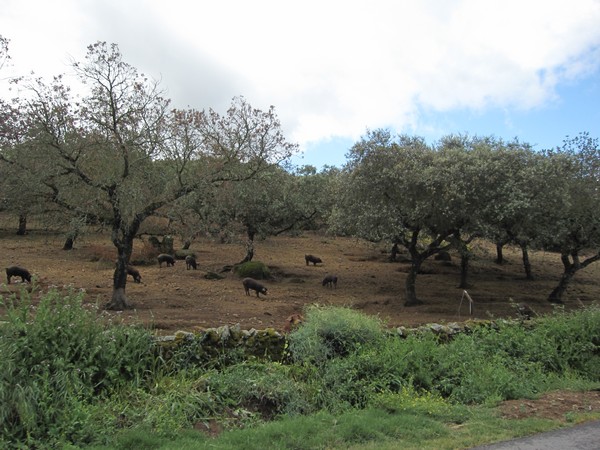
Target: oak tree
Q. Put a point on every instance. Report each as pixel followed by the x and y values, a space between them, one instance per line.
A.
pixel 120 154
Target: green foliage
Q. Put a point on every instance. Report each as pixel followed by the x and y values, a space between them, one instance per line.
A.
pixel 261 390
pixel 333 332
pixel 517 360
pixel 409 401
pixel 471 374
pixel 172 404
pixel 56 358
pixel 253 269
pixel 65 378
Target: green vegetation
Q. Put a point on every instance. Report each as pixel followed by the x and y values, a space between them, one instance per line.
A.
pixel 253 269
pixel 57 361
pixel 70 378
pixel 119 154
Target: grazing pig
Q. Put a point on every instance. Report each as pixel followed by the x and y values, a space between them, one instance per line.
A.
pixel 190 262
pixel 15 271
pixel 250 283
pixel 330 281
pixel 312 259
pixel 134 273
pixel 163 257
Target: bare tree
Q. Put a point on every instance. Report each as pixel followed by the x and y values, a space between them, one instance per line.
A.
pixel 120 155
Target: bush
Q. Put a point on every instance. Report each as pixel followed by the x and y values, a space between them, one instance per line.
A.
pixel 260 390
pixel 330 332
pixel 519 360
pixel 253 269
pixel 56 359
pixel 391 366
pixel 472 374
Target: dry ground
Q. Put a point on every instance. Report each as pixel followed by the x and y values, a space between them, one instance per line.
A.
pixel 174 298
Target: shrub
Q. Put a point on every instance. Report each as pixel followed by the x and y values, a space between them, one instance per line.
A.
pixel 408 400
pixel 260 390
pixel 330 332
pixel 390 366
pixel 253 269
pixel 56 358
pixel 571 342
pixel 470 374
pixel 519 360
pixel 173 403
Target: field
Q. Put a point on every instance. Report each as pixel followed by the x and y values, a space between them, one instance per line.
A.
pixel 173 298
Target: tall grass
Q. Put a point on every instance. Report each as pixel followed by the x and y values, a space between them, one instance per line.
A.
pixel 67 377
pixel 521 359
pixel 56 359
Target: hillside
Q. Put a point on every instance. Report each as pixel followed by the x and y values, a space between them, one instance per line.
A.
pixel 173 298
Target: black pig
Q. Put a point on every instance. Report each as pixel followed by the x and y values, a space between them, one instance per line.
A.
pixel 190 262
pixel 134 273
pixel 250 283
pixel 330 281
pixel 15 271
pixel 163 257
pixel 312 259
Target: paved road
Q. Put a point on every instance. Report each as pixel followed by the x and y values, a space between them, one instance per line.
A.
pixel 579 437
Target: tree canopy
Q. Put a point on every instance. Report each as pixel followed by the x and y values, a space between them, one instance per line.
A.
pixel 119 154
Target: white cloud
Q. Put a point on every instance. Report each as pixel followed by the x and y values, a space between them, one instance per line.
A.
pixel 330 68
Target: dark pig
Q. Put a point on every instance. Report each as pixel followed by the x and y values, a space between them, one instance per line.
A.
pixel 16 271
pixel 312 259
pixel 252 284
pixel 134 273
pixel 190 262
pixel 330 281
pixel 163 257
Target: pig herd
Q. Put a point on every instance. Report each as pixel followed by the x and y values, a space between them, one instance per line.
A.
pixel 249 284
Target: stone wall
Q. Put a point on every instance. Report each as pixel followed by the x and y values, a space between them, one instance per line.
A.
pixel 214 343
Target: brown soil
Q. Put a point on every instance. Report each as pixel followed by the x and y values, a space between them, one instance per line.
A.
pixel 557 405
pixel 173 298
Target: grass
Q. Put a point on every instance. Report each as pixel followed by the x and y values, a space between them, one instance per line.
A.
pixel 70 380
pixel 373 428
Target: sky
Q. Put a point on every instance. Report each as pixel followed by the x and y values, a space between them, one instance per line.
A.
pixel 526 69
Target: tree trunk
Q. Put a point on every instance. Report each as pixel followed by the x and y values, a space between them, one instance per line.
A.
pixel 70 240
pixel 417 259
pixel 119 301
pixel 68 243
pixel 465 256
pixel 499 252
pixel 394 252
pixel 526 262
pixel 411 281
pixel 570 269
pixel 186 244
pixel 22 230
pixel 167 245
pixel 122 238
pixel 251 232
pixel 557 293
